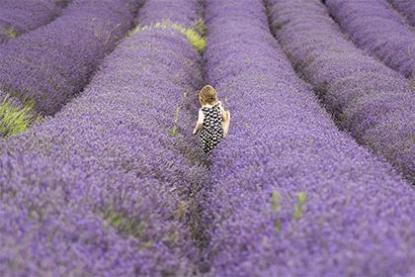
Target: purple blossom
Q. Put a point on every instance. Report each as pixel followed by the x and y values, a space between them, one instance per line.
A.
pixel 373 103
pixel 114 183
pixel 102 188
pixel 406 7
pixel 358 215
pixel 377 28
pixel 21 16
pixel 175 11
pixel 53 63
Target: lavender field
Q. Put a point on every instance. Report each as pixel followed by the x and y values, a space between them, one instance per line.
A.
pixel 100 174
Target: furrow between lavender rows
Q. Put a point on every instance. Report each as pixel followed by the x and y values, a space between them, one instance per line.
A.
pixel 105 186
pixel 42 70
pixel 292 195
pixel 379 29
pixel 21 16
pixel 367 99
pixel 405 7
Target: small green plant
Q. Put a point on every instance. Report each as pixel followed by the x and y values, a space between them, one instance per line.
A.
pixel 181 210
pixel 298 209
pixel 13 120
pixel 200 27
pixel 173 130
pixel 125 225
pixel 10 32
pixel 299 205
pixel 195 39
pixel 275 202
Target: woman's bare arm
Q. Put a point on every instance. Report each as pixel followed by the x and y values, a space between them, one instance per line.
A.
pixel 226 123
pixel 199 122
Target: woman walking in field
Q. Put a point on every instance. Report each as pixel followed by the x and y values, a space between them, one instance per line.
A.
pixel 213 121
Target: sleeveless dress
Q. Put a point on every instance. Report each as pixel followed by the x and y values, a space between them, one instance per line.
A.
pixel 212 131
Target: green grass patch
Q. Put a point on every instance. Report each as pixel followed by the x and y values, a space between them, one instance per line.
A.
pixel 10 32
pixel 14 120
pixel 125 225
pixel 173 131
pixel 275 200
pixel 275 203
pixel 299 205
pixel 301 198
pixel 194 39
pixel 194 35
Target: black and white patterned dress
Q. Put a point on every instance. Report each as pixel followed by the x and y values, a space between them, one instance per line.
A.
pixel 212 131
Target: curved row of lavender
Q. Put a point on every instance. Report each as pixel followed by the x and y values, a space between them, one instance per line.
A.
pixel 20 16
pixel 293 196
pixel 377 28
pixel 101 189
pixel 174 11
pixel 405 7
pixel 51 64
pixel 368 99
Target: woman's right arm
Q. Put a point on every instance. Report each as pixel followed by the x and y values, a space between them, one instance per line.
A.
pixel 199 122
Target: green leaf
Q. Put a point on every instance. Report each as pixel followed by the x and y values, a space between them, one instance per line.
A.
pixel 275 201
pixel 13 120
pixel 301 200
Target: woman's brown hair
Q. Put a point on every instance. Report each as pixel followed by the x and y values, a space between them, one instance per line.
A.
pixel 207 95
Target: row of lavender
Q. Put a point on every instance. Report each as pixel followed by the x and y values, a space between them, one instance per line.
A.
pixel 102 188
pixel 292 195
pixel 376 27
pixel 367 98
pixel 43 69
pixel 20 16
pixel 407 8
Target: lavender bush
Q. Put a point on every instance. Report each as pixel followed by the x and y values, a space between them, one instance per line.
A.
pixel 175 11
pixel 373 103
pixel 20 16
pixel 376 27
pixel 48 66
pixel 102 188
pixel 292 196
pixel 406 7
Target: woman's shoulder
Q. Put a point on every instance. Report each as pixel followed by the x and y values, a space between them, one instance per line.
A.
pixel 213 105
pixel 204 108
pixel 219 105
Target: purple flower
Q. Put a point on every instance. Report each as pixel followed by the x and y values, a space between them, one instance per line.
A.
pixel 21 16
pixel 53 63
pixel 366 98
pixel 377 28
pixel 406 7
pixel 102 188
pixel 340 211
